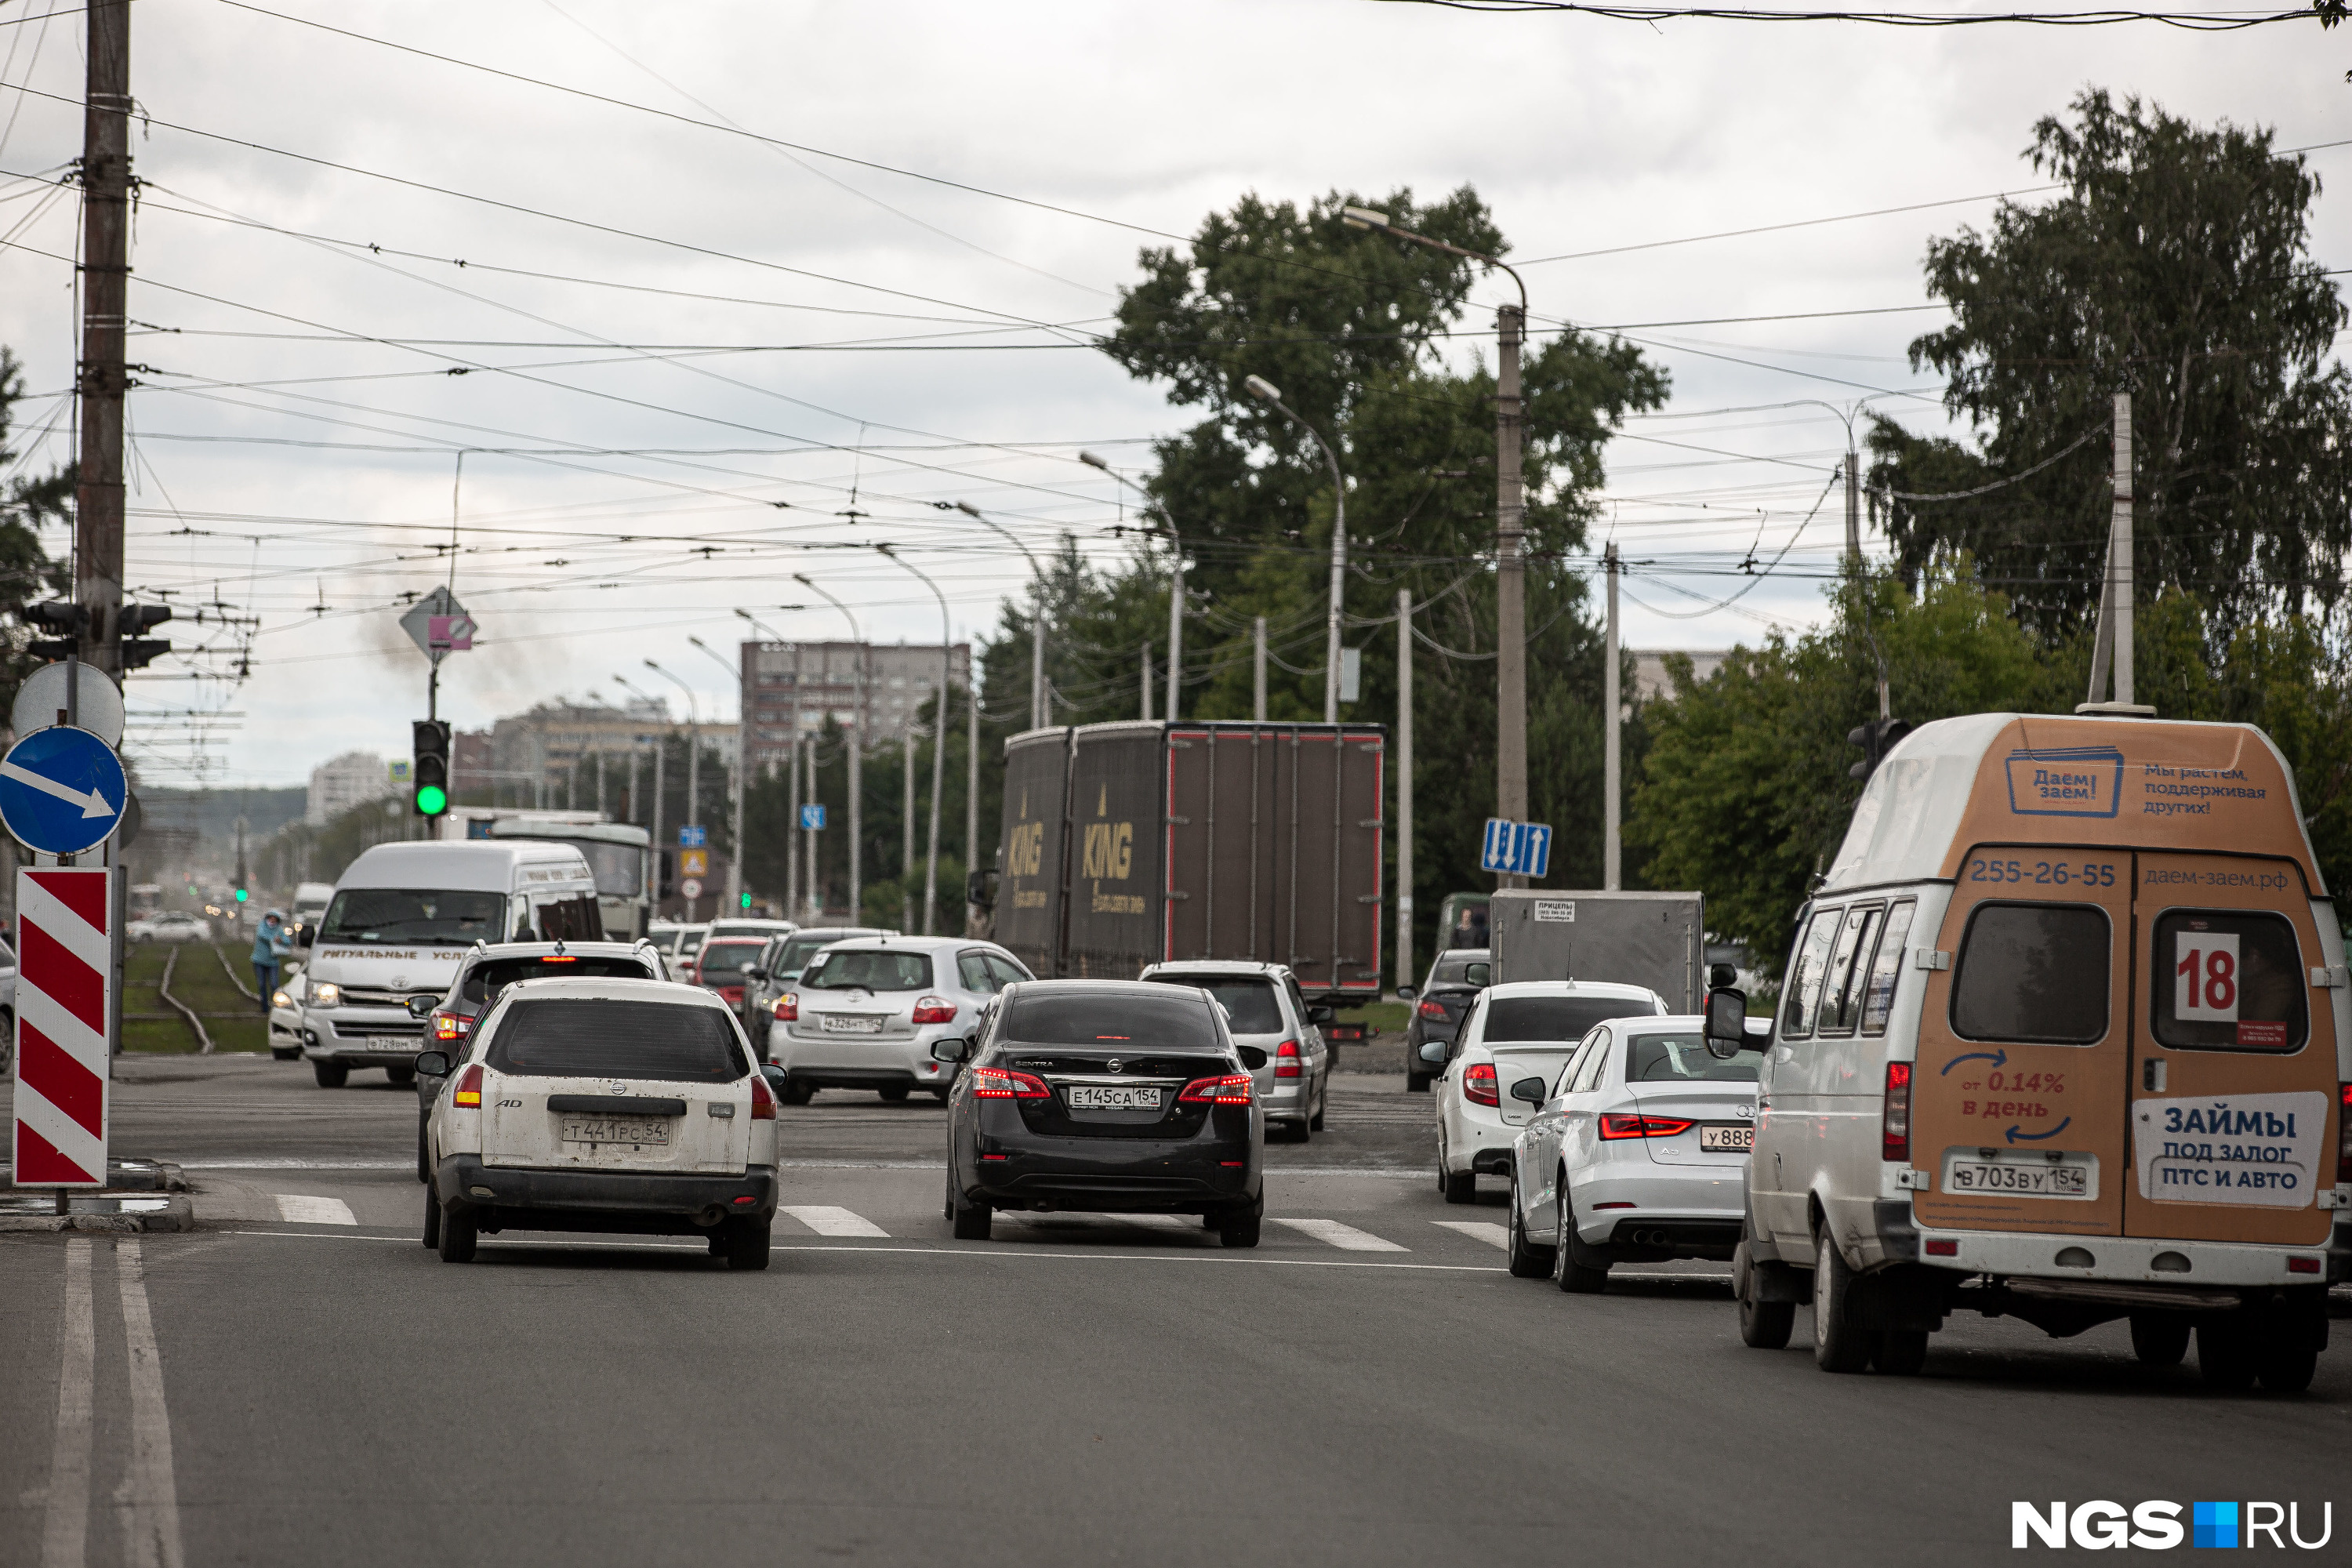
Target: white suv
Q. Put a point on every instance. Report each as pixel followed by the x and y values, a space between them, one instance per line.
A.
pixel 866 1012
pixel 1265 1008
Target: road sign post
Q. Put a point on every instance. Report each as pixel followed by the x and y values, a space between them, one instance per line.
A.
pixel 1516 848
pixel 64 1010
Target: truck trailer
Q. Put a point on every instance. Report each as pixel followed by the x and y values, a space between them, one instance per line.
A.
pixel 1133 844
pixel 1657 940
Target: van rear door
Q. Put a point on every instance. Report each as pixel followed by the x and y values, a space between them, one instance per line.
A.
pixel 2234 1091
pixel 2023 1081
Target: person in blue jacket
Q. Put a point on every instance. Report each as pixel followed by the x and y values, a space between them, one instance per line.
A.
pixel 270 944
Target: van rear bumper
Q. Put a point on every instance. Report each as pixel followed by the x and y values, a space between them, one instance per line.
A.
pixel 2139 1259
pixel 644 1201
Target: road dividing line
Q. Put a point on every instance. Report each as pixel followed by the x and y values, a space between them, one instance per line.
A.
pixel 302 1210
pixel 65 1532
pixel 1492 1235
pixel 1345 1236
pixel 150 1502
pixel 826 1220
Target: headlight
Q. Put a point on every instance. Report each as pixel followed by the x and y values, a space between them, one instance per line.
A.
pixel 327 994
pixel 279 999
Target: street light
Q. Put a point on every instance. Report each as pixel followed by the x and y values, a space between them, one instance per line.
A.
pixel 693 757
pixel 739 778
pixel 1175 584
pixel 1267 392
pixel 1510 530
pixel 1037 608
pixel 857 747
pixel 938 736
pixel 654 820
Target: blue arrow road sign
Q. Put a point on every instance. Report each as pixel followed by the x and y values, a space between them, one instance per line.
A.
pixel 1516 848
pixel 61 790
pixel 812 818
pixel 691 837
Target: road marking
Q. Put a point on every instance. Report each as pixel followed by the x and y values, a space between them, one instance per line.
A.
pixel 261 1163
pixel 826 1220
pixel 1345 1236
pixel 1492 1235
pixel 65 1532
pixel 150 1502
pixel 298 1209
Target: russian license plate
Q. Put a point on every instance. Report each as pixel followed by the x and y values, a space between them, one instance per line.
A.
pixel 1730 1140
pixel 851 1024
pixel 2019 1179
pixel 615 1130
pixel 397 1043
pixel 1107 1097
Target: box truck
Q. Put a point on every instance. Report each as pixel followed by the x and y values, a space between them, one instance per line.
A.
pixel 1657 940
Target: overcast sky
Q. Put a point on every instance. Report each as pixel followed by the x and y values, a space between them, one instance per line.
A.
pixel 296 441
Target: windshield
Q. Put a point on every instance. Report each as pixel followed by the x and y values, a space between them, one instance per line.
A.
pixel 872 969
pixel 1554 1017
pixel 1174 1023
pixel 484 982
pixel 597 1037
pixel 728 956
pixel 1452 970
pixel 801 949
pixel 1250 1005
pixel 619 868
pixel 413 914
pixel 689 941
pixel 1685 1058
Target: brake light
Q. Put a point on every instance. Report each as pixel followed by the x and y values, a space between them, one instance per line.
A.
pixel 763 1104
pixel 2343 1135
pixel 451 1025
pixel 468 1091
pixel 935 1010
pixel 788 1007
pixel 1004 1083
pixel 1432 1010
pixel 1644 1126
pixel 1479 1086
pixel 1233 1089
pixel 1286 1059
pixel 1894 1131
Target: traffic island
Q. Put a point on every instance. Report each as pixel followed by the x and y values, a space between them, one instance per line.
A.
pixel 138 1195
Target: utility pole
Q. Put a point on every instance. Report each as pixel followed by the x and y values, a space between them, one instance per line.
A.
pixel 809 863
pixel 1611 699
pixel 907 825
pixel 1853 503
pixel 1404 788
pixel 1265 391
pixel 1510 584
pixel 1257 668
pixel 793 825
pixel 862 682
pixel 1146 683
pixel 100 380
pixel 2111 648
pixel 970 798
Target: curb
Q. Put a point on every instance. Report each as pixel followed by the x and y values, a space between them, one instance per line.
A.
pixel 178 1214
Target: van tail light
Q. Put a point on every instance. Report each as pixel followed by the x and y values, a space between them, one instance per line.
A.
pixel 935 1010
pixel 1286 1059
pixel 1894 1131
pixel 1432 1010
pixel 1233 1089
pixel 451 1025
pixel 1644 1126
pixel 763 1103
pixel 2343 1135
pixel 788 1007
pixel 468 1092
pixel 1479 1086
pixel 1004 1083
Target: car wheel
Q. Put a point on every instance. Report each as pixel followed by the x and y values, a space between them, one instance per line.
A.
pixel 401 1076
pixel 1763 1325
pixel 747 1244
pixel 330 1075
pixel 1322 1104
pixel 896 1094
pixel 1528 1260
pixel 1416 1083
pixel 284 1053
pixel 2159 1339
pixel 1459 1186
pixel 972 1219
pixel 432 1219
pixel 1899 1353
pixel 458 1234
pixel 1575 1268
pixel 1839 1343
pixel 796 1093
pixel 2225 1354
pixel 1239 1228
pixel 1296 1132
pixel 424 1167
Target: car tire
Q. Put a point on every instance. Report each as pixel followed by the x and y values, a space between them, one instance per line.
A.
pixel 747 1244
pixel 1322 1104
pixel 1899 1353
pixel 1459 1186
pixel 1763 1325
pixel 330 1075
pixel 432 1219
pixel 1529 1261
pixel 458 1234
pixel 1575 1268
pixel 896 1094
pixel 2225 1354
pixel 1416 1083
pixel 424 1168
pixel 1839 1344
pixel 401 1076
pixel 972 1219
pixel 2159 1339
pixel 1296 1132
pixel 796 1093
pixel 1240 1227
pixel 285 1053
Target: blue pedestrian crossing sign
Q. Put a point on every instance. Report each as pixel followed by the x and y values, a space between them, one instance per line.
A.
pixel 1516 848
pixel 61 790
pixel 812 818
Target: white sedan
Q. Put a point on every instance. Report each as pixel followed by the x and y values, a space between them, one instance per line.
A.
pixel 1514 1034
pixel 1636 1154
pixel 172 925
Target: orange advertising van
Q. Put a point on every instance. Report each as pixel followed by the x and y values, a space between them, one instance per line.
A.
pixel 2064 1035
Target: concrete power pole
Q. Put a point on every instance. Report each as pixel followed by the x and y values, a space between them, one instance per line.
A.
pixel 1257 669
pixel 1612 724
pixel 1853 502
pixel 1404 788
pixel 1510 584
pixel 100 380
pixel 2112 648
pixel 970 797
pixel 906 822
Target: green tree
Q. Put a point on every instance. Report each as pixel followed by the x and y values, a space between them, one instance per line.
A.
pixel 26 503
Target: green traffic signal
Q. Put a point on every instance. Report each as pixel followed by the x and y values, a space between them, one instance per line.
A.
pixel 242 895
pixel 432 800
pixel 747 900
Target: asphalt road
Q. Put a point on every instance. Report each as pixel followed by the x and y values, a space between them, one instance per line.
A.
pixel 301 1381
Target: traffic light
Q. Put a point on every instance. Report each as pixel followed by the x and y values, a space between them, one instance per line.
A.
pixel 747 900
pixel 242 895
pixel 64 617
pixel 1876 738
pixel 428 773
pixel 136 652
pixel 71 623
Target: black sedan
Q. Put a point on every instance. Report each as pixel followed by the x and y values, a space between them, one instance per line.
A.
pixel 1115 1096
pixel 1438 1007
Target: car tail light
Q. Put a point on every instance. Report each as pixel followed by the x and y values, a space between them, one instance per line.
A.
pixel 468 1091
pixel 763 1104
pixel 1233 1089
pixel 1644 1126
pixel 1004 1083
pixel 788 1007
pixel 1286 1059
pixel 2303 1265
pixel 1479 1086
pixel 2343 1135
pixel 935 1010
pixel 1894 1131
pixel 1432 1010
pixel 1944 1246
pixel 451 1025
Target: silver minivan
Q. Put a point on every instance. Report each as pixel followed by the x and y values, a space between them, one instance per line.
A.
pixel 1265 1009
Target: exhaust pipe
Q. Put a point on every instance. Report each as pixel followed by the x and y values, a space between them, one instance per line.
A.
pixel 710 1215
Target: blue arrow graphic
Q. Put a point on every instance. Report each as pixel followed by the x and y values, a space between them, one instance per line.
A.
pixel 1997 1058
pixel 2015 1136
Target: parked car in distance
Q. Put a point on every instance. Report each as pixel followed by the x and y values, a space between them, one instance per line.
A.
pixel 1636 1152
pixel 676 942
pixel 172 925
pixel 865 1014
pixel 1455 980
pixel 1265 1009
pixel 780 966
pixel 1121 1096
pixel 1514 1032
pixel 602 1105
pixel 749 926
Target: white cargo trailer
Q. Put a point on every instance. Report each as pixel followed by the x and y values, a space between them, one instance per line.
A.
pixel 1657 940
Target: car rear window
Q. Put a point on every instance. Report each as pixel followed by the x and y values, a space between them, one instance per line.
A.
pixel 2229 980
pixel 1456 972
pixel 594 1036
pixel 1562 1018
pixel 1685 1058
pixel 2033 973
pixel 728 954
pixel 1250 1004
pixel 875 969
pixel 1174 1023
pixel 485 981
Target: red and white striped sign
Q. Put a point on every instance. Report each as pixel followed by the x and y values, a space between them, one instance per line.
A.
pixel 64 1002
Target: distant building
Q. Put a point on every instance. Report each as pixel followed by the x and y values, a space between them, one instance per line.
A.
pixel 352 779
pixel 1650 681
pixel 549 755
pixel 796 686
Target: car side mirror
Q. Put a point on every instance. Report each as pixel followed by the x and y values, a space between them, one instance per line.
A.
pixel 1478 974
pixel 422 1006
pixel 1530 1089
pixel 1722 974
pixel 305 937
pixel 955 1048
pixel 776 1077
pixel 1407 992
pixel 1321 1014
pixel 1434 1051
pixel 1252 1057
pixel 1727 1023
pixel 1452 1048
pixel 433 1064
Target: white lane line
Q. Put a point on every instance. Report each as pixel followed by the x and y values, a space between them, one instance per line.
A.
pixel 298 1209
pixel 65 1532
pixel 826 1220
pixel 261 1163
pixel 1344 1236
pixel 149 1500
pixel 1492 1235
